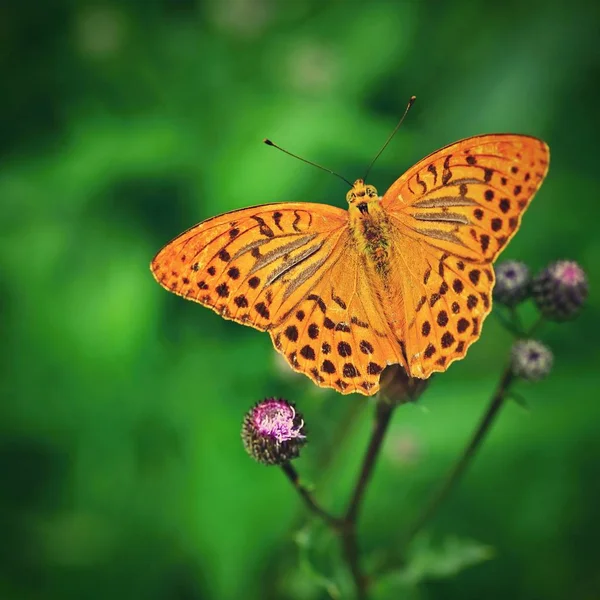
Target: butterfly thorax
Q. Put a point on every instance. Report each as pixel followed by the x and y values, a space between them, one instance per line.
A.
pixel 369 226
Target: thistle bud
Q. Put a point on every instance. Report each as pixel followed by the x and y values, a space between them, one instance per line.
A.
pixel 273 432
pixel 531 360
pixel 512 282
pixel 560 290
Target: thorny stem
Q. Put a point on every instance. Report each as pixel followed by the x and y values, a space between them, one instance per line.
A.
pixel 496 402
pixel 521 331
pixel 467 456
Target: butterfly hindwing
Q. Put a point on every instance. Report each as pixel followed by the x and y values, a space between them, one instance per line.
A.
pixel 337 334
pixel 446 301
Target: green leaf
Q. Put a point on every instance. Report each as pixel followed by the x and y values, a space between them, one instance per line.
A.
pixel 307 572
pixel 428 561
pixel 519 400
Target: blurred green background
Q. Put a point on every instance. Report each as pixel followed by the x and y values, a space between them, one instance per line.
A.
pixel 124 123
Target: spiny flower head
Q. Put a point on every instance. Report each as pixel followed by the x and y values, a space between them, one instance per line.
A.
pixel 531 360
pixel 560 290
pixel 512 282
pixel 273 432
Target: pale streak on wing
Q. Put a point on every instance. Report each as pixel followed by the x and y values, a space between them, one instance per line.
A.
pixel 299 275
pixel 439 234
pixel 443 216
pixel 280 251
pixel 303 277
pixel 248 247
pixel 292 261
pixel 445 202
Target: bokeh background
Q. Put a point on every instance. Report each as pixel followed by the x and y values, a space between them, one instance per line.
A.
pixel 123 123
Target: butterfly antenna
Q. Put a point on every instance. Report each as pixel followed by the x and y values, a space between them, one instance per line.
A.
pixel 270 143
pixel 410 103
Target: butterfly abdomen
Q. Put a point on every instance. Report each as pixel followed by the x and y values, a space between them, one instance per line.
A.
pixel 371 232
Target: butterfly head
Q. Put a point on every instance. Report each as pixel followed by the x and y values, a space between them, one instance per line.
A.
pixel 361 195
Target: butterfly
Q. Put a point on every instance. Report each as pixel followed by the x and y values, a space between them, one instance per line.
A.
pixel 404 278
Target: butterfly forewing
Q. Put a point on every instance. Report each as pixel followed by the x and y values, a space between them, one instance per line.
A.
pixel 249 265
pixel 454 212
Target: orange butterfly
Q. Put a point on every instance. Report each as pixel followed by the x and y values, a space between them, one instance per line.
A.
pixel 405 278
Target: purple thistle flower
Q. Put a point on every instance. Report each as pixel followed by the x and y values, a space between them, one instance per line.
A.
pixel 560 290
pixel 273 432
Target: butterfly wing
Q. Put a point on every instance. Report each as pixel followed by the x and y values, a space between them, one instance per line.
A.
pixel 337 333
pixel 453 213
pixel 232 263
pixel 288 269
